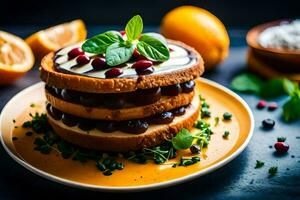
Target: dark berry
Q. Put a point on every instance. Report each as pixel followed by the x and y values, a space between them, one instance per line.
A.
pixel 272 106
pixel 74 53
pixel 86 125
pixel 268 123
pixel 261 104
pixel 134 126
pixel 188 87
pixel 53 112
pixel 163 118
pixel 281 147
pixel 57 92
pixel 82 59
pixel 113 72
pixel 142 64
pixel 145 71
pixel 69 120
pixel 171 90
pixel 178 111
pixel 69 95
pixel 195 149
pixel 99 63
pixel 107 126
pixel 146 96
pixel 90 100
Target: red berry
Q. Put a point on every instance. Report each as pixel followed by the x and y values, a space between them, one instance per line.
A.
pixel 83 59
pixel 74 53
pixel 272 106
pixel 145 71
pixel 122 32
pixel 113 72
pixel 98 63
pixel 281 147
pixel 142 64
pixel 136 54
pixel 261 104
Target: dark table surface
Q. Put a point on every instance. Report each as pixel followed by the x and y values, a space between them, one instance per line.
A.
pixel 236 180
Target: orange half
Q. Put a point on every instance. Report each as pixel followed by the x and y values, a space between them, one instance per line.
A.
pixel 16 58
pixel 56 37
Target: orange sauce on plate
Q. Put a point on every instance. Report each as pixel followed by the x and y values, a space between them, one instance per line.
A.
pixel 135 174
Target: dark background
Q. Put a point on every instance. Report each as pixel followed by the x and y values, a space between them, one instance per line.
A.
pixel 114 12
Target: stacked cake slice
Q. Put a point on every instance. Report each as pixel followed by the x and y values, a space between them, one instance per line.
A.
pixel 128 107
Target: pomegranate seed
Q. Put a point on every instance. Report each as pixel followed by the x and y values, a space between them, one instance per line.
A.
pixel 74 53
pixel 99 63
pixel 272 106
pixel 261 104
pixel 142 64
pixel 145 71
pixel 83 59
pixel 281 147
pixel 136 54
pixel 122 32
pixel 114 72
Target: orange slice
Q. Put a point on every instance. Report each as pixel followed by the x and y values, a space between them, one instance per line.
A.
pixel 16 58
pixel 56 37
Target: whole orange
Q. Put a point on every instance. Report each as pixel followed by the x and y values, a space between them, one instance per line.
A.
pixel 200 29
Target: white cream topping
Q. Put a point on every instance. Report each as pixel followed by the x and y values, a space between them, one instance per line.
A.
pixel 180 58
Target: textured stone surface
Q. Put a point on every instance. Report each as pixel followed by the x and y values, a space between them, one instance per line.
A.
pixel 237 180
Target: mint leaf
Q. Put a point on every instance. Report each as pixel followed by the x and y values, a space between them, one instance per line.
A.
pixel 153 49
pixel 291 109
pixel 99 43
pixel 134 28
pixel 158 37
pixel 183 139
pixel 247 83
pixel 289 86
pixel 118 53
pixel 272 88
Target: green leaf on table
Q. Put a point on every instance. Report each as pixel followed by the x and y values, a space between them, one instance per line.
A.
pixel 290 87
pixel 134 28
pixel 153 49
pixel 183 139
pixel 291 109
pixel 272 88
pixel 118 53
pixel 247 83
pixel 99 43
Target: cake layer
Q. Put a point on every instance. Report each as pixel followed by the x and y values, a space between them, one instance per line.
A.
pixel 165 103
pixel 120 141
pixel 63 74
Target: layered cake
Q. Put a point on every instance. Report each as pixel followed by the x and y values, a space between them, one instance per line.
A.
pixel 139 101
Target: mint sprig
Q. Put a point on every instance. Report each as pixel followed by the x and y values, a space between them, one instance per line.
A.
pixel 119 49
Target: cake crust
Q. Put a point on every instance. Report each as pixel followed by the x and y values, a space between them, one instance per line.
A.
pixel 58 79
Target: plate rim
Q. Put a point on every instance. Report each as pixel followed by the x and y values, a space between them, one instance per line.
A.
pixel 147 187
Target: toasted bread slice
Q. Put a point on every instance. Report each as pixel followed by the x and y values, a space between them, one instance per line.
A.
pixel 166 103
pixel 58 79
pixel 119 141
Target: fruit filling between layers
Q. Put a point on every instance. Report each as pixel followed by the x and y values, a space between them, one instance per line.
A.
pixel 137 126
pixel 73 60
pixel 121 100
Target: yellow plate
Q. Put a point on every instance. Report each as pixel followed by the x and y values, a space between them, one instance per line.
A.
pixel 134 177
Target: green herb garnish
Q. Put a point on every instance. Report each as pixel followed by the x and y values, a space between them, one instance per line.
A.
pixel 119 49
pixel 217 119
pixel 271 89
pixel 226 134
pixel 273 171
pixel 204 108
pixel 259 164
pixel 227 116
